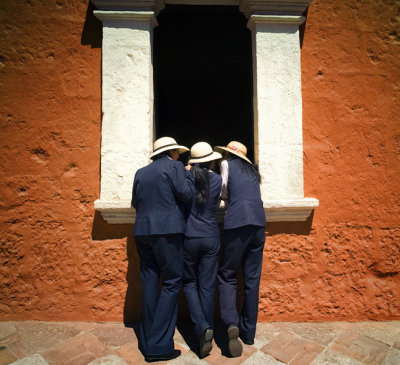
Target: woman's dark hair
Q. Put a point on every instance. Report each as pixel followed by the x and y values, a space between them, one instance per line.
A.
pixel 250 168
pixel 202 182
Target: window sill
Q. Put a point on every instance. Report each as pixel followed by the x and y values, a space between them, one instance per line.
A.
pixel 287 210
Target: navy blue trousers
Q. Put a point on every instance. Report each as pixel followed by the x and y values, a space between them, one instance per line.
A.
pixel 243 245
pixel 200 257
pixel 161 259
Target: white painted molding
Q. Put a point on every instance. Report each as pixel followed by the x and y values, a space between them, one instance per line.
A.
pixel 127 15
pixel 116 212
pixel 275 19
pixel 298 210
pixel 294 7
pixel 202 2
pixel 130 5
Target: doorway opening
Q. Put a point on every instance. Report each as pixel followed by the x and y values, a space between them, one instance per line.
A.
pixel 203 81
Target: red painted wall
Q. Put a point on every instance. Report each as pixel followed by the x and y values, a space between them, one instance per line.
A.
pixel 60 261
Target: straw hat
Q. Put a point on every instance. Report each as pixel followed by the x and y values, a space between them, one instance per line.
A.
pixel 236 148
pixel 166 143
pixel 203 152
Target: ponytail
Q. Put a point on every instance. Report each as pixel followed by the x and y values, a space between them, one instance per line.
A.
pixel 202 183
pixel 256 172
pixel 249 168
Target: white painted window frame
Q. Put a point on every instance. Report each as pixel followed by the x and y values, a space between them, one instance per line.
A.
pixel 128 98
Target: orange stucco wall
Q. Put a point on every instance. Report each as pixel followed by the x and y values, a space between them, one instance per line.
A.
pixel 60 261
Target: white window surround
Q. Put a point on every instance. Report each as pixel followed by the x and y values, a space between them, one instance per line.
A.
pixel 127 101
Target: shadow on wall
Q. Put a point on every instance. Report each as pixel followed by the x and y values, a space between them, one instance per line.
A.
pixel 102 231
pixel 296 228
pixel 92 31
pixel 302 28
pixel 133 296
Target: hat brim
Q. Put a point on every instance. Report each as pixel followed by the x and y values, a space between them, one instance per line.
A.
pixel 222 149
pixel 212 157
pixel 181 149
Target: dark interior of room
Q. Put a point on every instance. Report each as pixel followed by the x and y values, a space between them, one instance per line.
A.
pixel 203 75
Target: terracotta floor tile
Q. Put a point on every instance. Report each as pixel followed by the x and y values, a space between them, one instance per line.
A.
pixel 6 357
pixel 322 333
pixel 260 358
pixel 288 347
pixel 114 334
pixel 35 359
pixel 20 349
pixel 387 332
pixel 131 354
pixel 284 347
pixel 6 329
pixel 86 326
pixel 15 337
pixel 216 356
pixel 75 348
pixel 24 325
pixel 329 357
pixel 109 360
pixel 82 359
pixel 305 357
pixel 359 347
pixel 266 333
pixel 45 335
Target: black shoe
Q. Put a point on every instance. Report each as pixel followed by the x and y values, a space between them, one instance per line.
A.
pixel 247 341
pixel 206 342
pixel 235 346
pixel 173 355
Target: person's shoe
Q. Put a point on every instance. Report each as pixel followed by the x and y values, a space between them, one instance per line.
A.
pixel 235 346
pixel 247 341
pixel 206 342
pixel 173 355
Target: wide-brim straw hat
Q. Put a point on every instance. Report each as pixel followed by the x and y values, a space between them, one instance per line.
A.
pixel 236 148
pixel 167 143
pixel 203 152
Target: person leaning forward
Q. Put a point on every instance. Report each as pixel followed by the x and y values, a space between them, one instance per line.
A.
pixel 159 191
pixel 242 244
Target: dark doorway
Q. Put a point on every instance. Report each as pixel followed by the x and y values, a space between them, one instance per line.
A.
pixel 203 75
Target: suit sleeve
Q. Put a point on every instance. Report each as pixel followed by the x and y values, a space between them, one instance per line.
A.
pixel 133 201
pixel 182 183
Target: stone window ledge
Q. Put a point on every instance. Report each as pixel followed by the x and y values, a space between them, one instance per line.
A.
pixel 116 212
pixel 288 210
pixel 285 210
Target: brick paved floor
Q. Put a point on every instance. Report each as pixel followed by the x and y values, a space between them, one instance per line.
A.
pixel 76 343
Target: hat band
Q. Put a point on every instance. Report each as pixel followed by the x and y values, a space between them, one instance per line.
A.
pixel 167 145
pixel 208 154
pixel 233 148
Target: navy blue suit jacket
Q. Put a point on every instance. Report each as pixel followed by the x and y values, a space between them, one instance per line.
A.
pixel 159 191
pixel 203 222
pixel 245 206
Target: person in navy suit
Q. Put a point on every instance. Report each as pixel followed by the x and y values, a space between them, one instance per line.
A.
pixel 242 244
pixel 159 191
pixel 201 244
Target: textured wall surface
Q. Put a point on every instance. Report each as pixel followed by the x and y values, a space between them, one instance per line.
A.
pixel 60 261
